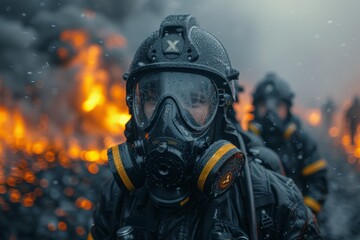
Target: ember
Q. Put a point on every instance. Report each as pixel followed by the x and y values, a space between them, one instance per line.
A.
pixel 42 141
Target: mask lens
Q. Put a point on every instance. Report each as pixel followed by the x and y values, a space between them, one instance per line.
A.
pixel 145 100
pixel 272 105
pixel 194 94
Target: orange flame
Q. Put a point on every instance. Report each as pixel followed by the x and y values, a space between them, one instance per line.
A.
pixel 77 38
pixel 80 231
pixel 62 226
pixel 101 115
pixel 84 203
pixel 244 107
pixel 340 133
pixel 95 80
pixel 334 132
pixel 115 41
pixel 51 227
pixel 314 117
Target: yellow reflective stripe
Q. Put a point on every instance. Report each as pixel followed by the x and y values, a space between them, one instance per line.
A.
pixel 211 163
pixel 289 131
pixel 314 167
pixel 312 203
pixel 120 169
pixel 254 129
pixel 183 202
pixel 90 237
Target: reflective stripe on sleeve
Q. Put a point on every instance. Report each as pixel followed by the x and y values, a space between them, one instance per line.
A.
pixel 314 167
pixel 254 129
pixel 90 237
pixel 312 203
pixel 289 131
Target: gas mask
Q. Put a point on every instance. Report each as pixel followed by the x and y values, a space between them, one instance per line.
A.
pixel 271 119
pixel 176 150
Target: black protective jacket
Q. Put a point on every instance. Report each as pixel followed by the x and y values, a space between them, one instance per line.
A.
pixel 281 213
pixel 301 161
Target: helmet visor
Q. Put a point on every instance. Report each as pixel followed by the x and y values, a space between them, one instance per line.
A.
pixel 194 94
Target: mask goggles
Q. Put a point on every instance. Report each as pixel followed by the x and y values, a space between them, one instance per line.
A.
pixel 195 95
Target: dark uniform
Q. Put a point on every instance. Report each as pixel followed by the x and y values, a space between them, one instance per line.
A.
pixel 328 110
pixel 280 212
pixel 184 171
pixel 352 117
pixel 296 148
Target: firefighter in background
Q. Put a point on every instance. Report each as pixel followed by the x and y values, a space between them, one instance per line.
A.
pixel 282 132
pixel 253 141
pixel 184 171
pixel 352 118
pixel 328 110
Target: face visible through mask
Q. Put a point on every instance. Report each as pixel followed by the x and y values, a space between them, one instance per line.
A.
pixel 198 107
pixel 150 103
pixel 280 108
pixel 195 95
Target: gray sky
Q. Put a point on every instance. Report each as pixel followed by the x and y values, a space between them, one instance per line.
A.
pixel 312 44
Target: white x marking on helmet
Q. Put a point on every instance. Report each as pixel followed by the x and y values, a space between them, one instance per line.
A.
pixel 172 46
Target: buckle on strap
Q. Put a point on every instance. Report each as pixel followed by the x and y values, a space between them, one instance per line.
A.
pixel 266 220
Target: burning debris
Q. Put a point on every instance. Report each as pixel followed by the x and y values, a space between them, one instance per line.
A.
pixel 84 97
pixel 62 104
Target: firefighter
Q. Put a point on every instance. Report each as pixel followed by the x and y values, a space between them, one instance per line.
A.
pixel 184 171
pixel 253 141
pixel 328 110
pixel 282 131
pixel 352 118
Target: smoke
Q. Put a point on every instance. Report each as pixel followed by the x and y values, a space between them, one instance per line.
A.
pixel 18 59
pixel 31 31
pixel 31 69
pixel 313 45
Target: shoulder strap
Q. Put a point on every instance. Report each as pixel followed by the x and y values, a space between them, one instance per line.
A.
pixel 264 201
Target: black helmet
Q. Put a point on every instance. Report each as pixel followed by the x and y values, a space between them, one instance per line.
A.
pixel 181 45
pixel 178 90
pixel 273 87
